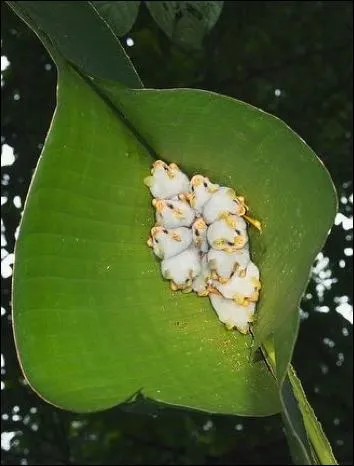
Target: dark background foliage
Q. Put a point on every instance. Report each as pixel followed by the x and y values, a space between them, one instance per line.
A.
pixel 292 59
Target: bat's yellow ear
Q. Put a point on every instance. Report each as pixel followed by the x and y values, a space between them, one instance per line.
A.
pixel 212 188
pixel 158 204
pixel 199 224
pixel 159 163
pixel 186 197
pixel 156 229
pixel 228 219
pixel 176 236
pixel 197 180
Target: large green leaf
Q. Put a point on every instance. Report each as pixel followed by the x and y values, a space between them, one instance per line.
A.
pixel 284 182
pixel 283 333
pixel 94 321
pixel 63 300
pixel 257 140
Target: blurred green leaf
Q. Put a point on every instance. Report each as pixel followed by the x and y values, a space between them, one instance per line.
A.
pixel 186 22
pixel 93 47
pixel 119 15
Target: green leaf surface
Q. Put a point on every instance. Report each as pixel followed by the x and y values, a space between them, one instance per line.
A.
pixel 119 15
pixel 285 184
pixel 94 47
pixel 186 22
pixel 94 321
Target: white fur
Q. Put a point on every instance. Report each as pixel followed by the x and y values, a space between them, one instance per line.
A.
pixel 224 263
pixel 201 282
pixel 202 240
pixel 199 231
pixel 223 237
pixel 237 285
pixel 232 314
pixel 165 245
pixel 202 191
pixel 167 217
pixel 183 267
pixel 163 186
pixel 223 201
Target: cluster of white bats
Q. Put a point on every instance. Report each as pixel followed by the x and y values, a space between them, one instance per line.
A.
pixel 201 238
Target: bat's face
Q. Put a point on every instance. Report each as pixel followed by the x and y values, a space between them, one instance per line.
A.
pixel 158 239
pixel 201 191
pixel 199 230
pixel 160 169
pixel 199 182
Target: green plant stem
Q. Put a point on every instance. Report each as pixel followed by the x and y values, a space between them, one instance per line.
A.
pixel 317 437
pixel 318 440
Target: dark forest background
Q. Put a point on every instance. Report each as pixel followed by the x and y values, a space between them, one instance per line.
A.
pixel 292 59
